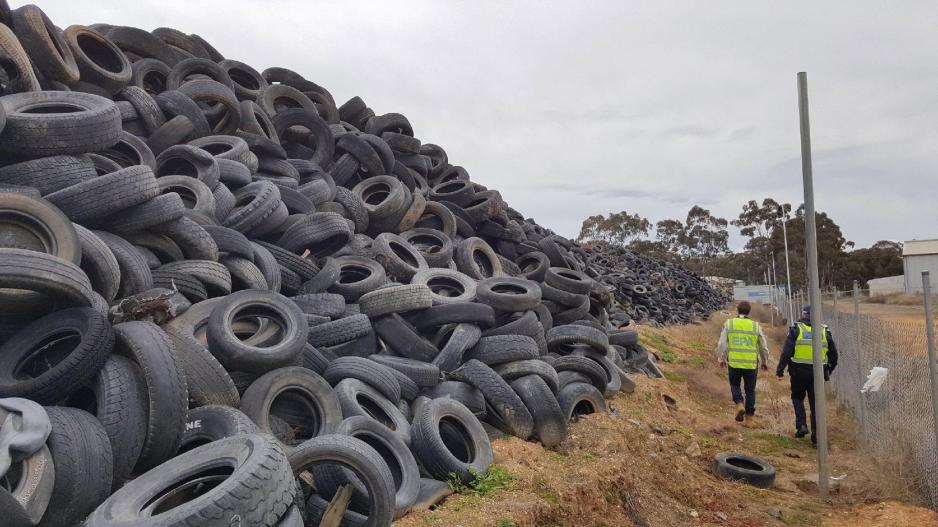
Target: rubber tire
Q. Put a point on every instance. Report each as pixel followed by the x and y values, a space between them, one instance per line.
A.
pixel 96 126
pixel 576 393
pixel 461 337
pixel 433 449
pixel 395 299
pixel 237 355
pixel 367 371
pixel 81 453
pixel 77 369
pixel 355 455
pixel 423 374
pixel 259 490
pixel 499 349
pixel 550 423
pixel 504 408
pixel 340 331
pixel 393 451
pixel 508 294
pixel 319 397
pixel 350 391
pixel 726 465
pixel 165 382
pixel 120 404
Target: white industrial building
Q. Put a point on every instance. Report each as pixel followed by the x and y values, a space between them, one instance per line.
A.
pixel 918 256
pixel 887 285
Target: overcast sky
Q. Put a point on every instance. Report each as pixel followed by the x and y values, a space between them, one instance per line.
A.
pixel 577 108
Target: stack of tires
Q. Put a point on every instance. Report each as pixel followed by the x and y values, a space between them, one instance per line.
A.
pixel 242 304
pixel 651 290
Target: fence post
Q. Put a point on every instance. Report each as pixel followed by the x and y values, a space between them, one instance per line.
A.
pixel 810 230
pixel 932 367
pixel 861 402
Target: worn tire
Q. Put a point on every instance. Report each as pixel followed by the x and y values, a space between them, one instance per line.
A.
pixel 747 469
pixel 296 397
pixel 92 123
pixel 258 488
pixel 165 383
pixel 449 440
pixel 504 408
pixel 550 423
pixel 81 453
pixel 78 367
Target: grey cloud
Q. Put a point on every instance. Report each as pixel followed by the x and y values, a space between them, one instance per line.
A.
pixel 580 108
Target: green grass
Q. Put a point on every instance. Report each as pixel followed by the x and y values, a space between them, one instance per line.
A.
pixel 696 361
pixel 543 490
pixel 796 519
pixel 674 376
pixel 775 442
pixel 504 522
pixel 667 356
pixel 699 346
pixel 497 478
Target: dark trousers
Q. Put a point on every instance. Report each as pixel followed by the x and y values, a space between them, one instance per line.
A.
pixel 748 378
pixel 802 383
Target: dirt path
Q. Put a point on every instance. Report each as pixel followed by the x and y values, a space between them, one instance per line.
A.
pixel 639 465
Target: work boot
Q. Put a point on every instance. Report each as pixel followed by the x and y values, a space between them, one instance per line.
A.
pixel 801 432
pixel 750 421
pixel 740 412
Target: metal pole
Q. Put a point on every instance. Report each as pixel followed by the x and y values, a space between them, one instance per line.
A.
pixel 791 309
pixel 932 366
pixel 861 405
pixel 774 291
pixel 820 398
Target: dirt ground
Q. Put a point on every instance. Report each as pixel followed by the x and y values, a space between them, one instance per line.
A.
pixel 888 312
pixel 647 462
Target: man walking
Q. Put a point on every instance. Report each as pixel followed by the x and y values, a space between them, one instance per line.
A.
pixel 798 357
pixel 743 348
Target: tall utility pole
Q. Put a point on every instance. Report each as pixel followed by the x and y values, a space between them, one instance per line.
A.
pixel 791 309
pixel 814 290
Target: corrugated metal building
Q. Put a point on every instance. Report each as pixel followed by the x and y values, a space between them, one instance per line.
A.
pixel 918 256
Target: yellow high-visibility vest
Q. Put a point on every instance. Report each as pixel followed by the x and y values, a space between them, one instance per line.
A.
pixel 804 351
pixel 742 343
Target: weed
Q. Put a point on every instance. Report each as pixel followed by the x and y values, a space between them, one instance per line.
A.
pixel 709 442
pixel 497 478
pixel 674 376
pixel 699 346
pixel 504 522
pixel 668 356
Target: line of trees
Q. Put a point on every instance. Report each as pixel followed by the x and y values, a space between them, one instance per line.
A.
pixel 701 242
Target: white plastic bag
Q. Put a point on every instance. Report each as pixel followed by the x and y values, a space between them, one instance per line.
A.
pixel 876 379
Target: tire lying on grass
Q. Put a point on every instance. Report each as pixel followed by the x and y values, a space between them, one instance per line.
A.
pixel 748 469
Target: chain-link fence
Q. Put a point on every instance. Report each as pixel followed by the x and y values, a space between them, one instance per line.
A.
pixel 896 423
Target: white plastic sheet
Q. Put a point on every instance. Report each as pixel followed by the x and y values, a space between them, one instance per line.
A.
pixel 875 380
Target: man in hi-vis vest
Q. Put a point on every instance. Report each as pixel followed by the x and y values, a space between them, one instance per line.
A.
pixel 798 357
pixel 743 348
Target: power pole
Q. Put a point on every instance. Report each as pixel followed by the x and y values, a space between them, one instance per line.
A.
pixel 817 328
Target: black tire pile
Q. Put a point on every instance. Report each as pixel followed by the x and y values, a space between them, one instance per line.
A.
pixel 240 302
pixel 652 290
